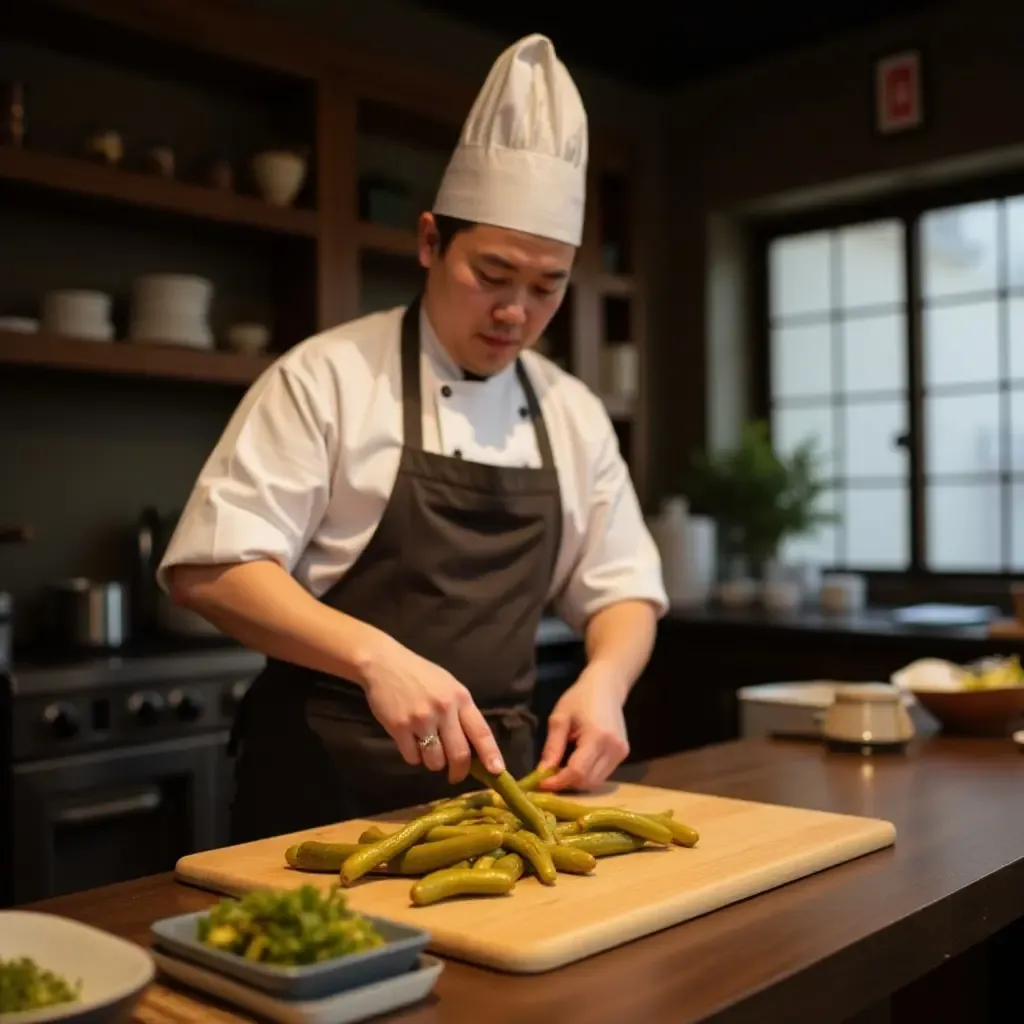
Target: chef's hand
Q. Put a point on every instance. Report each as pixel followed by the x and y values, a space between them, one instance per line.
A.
pixel 589 714
pixel 413 698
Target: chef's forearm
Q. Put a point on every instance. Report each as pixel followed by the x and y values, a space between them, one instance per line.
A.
pixel 619 641
pixel 263 607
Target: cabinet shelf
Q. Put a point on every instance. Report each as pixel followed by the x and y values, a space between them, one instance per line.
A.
pixel 125 359
pixel 149 191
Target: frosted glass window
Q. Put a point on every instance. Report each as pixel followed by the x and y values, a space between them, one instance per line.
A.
pixel 1014 210
pixel 1017 526
pixel 877 528
pixel 1015 325
pixel 841 372
pixel 962 434
pixel 872 430
pixel 792 427
pixel 960 250
pixel 799 269
pixel 872 260
pixel 1015 456
pixel 802 361
pixel 965 527
pixel 961 344
pixel 875 353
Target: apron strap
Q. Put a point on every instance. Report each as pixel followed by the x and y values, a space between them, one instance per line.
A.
pixel 412 398
pixel 547 458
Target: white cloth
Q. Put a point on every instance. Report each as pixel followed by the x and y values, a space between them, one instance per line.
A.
pixel 521 160
pixel 304 470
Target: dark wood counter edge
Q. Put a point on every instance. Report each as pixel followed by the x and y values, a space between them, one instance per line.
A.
pixel 816 951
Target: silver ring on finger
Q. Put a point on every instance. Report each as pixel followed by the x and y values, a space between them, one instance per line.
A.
pixel 427 741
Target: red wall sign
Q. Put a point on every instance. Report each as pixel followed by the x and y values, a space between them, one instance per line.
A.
pixel 898 92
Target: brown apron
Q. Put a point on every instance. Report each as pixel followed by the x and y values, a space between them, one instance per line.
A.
pixel 458 570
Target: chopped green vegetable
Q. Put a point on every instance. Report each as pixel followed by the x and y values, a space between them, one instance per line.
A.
pixel 24 985
pixel 288 926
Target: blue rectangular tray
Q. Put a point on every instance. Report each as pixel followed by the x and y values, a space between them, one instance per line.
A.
pixel 401 949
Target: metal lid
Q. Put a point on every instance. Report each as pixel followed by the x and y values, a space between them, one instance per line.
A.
pixel 875 693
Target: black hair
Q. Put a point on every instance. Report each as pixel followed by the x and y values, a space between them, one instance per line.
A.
pixel 448 228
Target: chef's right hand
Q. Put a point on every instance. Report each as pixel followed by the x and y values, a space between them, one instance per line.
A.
pixel 413 698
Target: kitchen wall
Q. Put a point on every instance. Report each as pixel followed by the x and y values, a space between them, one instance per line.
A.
pixel 81 454
pixel 794 133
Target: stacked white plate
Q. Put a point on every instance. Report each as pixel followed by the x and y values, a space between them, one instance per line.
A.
pixel 78 314
pixel 172 309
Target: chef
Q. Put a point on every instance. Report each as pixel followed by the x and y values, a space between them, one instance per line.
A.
pixel 397 500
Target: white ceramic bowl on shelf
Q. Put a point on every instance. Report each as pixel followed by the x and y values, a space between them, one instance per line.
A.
pixel 77 313
pixel 279 175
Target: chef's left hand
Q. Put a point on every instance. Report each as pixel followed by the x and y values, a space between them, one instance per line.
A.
pixel 589 714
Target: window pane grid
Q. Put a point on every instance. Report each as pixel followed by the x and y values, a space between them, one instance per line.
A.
pixel 1005 424
pixel 839 315
pixel 839 373
pixel 966 301
pixel 857 398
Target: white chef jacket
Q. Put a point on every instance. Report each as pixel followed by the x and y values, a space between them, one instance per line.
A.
pixel 304 469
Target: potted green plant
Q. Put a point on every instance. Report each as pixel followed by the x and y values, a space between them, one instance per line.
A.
pixel 759 498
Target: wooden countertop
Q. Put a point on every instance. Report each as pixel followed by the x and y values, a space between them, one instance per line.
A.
pixel 816 951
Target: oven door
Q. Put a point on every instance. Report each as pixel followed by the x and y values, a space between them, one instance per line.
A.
pixel 94 819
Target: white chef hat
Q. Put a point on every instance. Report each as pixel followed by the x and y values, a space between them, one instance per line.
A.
pixel 521 161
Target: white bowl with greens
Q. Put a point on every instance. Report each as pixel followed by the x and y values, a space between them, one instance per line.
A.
pixel 56 969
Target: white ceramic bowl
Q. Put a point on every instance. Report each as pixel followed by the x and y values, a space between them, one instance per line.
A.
pixel 938 686
pixel 249 339
pixel 113 971
pixel 279 176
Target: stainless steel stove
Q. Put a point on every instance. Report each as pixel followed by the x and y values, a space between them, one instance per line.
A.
pixel 115 766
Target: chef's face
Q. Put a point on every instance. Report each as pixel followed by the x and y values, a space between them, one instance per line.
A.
pixel 493 292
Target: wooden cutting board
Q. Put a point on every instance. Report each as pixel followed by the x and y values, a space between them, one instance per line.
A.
pixel 745 848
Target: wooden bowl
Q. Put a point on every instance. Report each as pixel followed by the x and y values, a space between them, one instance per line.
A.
pixel 996 712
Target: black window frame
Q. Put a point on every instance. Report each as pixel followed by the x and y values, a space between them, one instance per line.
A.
pixel 916 583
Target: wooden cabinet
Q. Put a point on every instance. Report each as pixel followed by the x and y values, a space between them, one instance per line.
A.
pixel 210 84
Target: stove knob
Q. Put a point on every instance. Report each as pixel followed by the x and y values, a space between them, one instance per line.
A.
pixel 61 721
pixel 186 706
pixel 146 707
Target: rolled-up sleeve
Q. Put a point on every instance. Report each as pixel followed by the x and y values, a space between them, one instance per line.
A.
pixel 266 485
pixel 618 559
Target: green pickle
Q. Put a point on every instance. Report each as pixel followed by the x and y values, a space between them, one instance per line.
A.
pixel 443 885
pixel 515 799
pixel 477 844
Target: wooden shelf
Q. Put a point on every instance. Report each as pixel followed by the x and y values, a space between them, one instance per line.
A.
pixel 83 178
pixel 122 358
pixel 388 240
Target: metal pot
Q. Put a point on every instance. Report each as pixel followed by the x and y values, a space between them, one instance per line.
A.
pixel 6 629
pixel 89 614
pixel 9 535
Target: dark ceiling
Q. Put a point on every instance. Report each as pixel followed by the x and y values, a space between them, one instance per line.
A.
pixel 664 44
